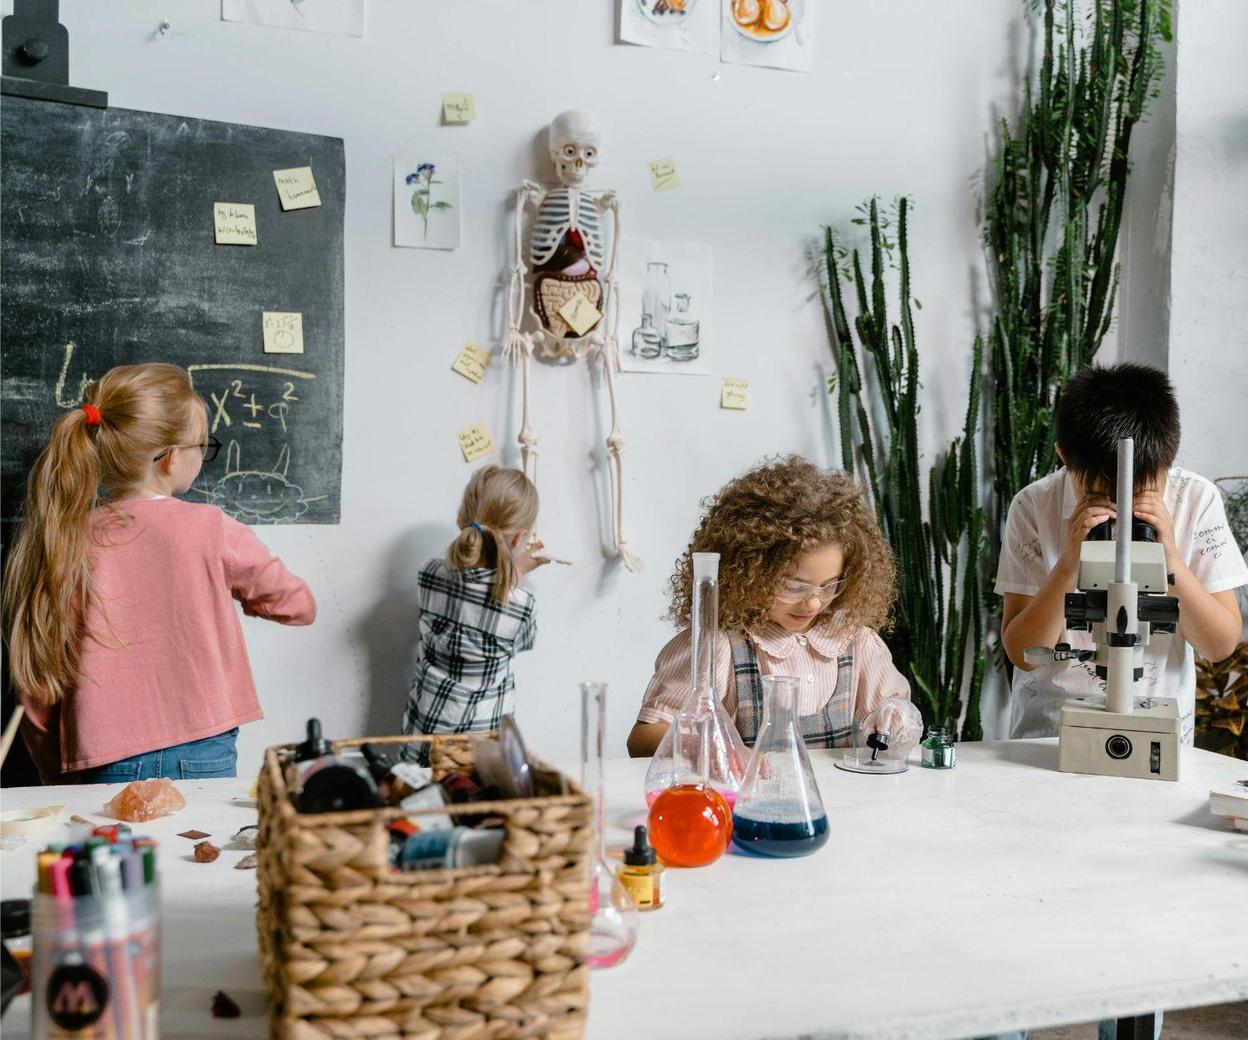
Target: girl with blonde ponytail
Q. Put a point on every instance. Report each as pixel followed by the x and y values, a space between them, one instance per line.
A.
pixel 124 644
pixel 475 614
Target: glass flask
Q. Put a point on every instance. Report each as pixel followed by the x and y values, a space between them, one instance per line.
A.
pixel 646 342
pixel 682 332
pixel 938 751
pixel 707 726
pixel 656 296
pixel 613 925
pixel 779 811
pixel 690 822
pixel 884 739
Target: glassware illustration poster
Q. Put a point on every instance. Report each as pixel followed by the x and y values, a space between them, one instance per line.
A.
pixel 336 17
pixel 426 202
pixel 778 34
pixel 672 25
pixel 665 307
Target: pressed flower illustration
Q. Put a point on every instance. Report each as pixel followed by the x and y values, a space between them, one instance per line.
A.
pixel 422 197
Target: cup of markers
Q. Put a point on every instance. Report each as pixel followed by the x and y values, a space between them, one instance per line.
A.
pixel 96 924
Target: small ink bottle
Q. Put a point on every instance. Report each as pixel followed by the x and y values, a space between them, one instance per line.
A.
pixel 640 873
pixel 322 781
pixel 938 750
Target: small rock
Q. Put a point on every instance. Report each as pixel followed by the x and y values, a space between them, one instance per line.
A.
pixel 223 1006
pixel 206 852
pixel 146 800
pixel 246 863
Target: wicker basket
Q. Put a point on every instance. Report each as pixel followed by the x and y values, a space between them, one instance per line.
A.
pixel 350 948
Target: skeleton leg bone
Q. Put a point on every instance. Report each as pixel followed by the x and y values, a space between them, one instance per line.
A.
pixel 615 446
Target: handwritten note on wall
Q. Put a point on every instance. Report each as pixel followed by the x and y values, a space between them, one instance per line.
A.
pixel 475 442
pixel 471 362
pixel 296 188
pixel 580 314
pixel 459 109
pixel 734 394
pixel 283 332
pixel 663 175
pixel 234 223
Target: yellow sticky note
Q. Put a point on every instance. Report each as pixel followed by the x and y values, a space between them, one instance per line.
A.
pixel 296 188
pixel 234 223
pixel 283 332
pixel 475 442
pixel 459 109
pixel 663 175
pixel 471 362
pixel 580 314
pixel 734 394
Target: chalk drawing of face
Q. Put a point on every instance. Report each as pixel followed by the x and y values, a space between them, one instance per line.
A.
pixel 258 496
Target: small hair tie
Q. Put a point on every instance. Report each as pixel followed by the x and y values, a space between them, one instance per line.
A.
pixel 93 414
pixel 476 527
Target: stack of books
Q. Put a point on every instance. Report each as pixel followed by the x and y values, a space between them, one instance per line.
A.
pixel 1231 801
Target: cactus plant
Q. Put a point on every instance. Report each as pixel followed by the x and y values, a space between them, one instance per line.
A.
pixel 937 637
pixel 1053 216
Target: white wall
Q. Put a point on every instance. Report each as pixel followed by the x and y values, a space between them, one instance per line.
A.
pixel 901 101
pixel 1209 265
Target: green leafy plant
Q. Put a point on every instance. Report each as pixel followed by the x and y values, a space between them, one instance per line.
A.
pixel 937 637
pixel 1222 704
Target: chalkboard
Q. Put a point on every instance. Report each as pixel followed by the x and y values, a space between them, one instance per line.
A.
pixel 108 257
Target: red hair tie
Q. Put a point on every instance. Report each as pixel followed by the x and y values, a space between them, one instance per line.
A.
pixel 93 414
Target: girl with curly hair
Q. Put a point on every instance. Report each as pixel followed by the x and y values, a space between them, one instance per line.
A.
pixel 806 580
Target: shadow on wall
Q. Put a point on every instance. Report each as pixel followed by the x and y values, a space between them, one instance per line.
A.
pixel 390 631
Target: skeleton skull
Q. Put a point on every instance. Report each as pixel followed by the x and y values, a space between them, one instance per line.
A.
pixel 574 143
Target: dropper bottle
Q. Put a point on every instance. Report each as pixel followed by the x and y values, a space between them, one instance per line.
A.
pixel 641 874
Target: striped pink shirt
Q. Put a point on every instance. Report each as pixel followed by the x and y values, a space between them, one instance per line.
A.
pixel 165 663
pixel 811 656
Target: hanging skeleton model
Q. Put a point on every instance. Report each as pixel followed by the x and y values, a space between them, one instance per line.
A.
pixel 570 254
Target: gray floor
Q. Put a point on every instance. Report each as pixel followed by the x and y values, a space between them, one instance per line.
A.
pixel 1219 1022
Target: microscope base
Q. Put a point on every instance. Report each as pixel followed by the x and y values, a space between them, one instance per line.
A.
pixel 1143 744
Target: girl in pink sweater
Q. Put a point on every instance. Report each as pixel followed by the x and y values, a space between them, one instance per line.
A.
pixel 124 642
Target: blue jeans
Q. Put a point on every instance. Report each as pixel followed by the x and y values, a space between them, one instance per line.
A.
pixel 199 760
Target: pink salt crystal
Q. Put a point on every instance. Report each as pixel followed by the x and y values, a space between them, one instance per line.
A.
pixel 146 800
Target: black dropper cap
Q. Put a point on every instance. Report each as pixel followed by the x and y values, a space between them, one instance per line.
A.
pixel 315 746
pixel 642 853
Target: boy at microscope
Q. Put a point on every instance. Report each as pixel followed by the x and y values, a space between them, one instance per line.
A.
pixel 1049 520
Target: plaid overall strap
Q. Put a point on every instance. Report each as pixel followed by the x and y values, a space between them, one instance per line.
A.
pixel 833 724
pixel 749 683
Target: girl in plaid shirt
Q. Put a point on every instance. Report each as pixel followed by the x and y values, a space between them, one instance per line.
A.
pixel 475 615
pixel 806 581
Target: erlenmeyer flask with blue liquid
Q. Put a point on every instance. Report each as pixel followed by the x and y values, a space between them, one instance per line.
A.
pixel 779 811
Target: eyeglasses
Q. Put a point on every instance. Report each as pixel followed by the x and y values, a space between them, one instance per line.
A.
pixel 799 591
pixel 209 449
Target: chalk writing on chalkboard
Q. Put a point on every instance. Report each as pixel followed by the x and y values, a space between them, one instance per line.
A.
pixel 243 398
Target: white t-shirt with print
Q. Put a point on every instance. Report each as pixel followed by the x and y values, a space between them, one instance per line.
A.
pixel 1034 533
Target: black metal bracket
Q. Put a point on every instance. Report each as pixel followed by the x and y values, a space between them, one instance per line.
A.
pixel 36 56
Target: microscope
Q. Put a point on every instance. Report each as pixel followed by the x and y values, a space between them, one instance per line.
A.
pixel 1122 601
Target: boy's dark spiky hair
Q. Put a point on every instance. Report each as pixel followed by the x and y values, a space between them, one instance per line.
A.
pixel 1101 404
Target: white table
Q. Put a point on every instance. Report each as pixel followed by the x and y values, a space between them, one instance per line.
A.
pixel 999 895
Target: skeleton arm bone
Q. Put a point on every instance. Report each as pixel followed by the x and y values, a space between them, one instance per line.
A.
pixel 514 343
pixel 517 347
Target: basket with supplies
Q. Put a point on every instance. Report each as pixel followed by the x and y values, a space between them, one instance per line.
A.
pixel 433 901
